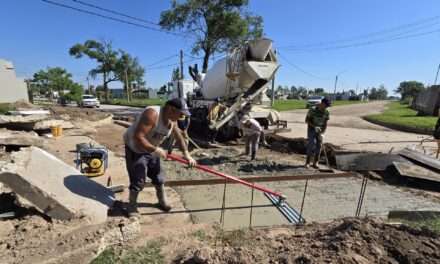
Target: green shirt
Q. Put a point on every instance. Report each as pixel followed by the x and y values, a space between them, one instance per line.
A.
pixel 317 118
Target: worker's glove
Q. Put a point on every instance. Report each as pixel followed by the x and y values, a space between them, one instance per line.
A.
pixel 159 152
pixel 318 130
pixel 321 137
pixel 191 162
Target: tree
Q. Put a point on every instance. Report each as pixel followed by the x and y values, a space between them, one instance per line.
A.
pixel 104 55
pixel 53 79
pixel 75 93
pixel 302 92
pixel 216 24
pixel 175 75
pixel 319 91
pixel 128 70
pixel 378 93
pixel 409 89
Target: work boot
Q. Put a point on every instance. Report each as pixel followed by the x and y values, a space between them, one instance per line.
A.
pixel 161 197
pixel 307 162
pixel 315 162
pixel 132 209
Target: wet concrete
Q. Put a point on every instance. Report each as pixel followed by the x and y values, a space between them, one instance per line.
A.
pixel 325 200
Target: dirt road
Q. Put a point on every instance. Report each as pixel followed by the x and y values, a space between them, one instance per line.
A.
pixel 347 129
pixel 344 116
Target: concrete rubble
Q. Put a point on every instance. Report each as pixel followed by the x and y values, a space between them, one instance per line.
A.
pixel 19 138
pixel 55 188
pixel 367 161
pixel 32 122
pixel 47 124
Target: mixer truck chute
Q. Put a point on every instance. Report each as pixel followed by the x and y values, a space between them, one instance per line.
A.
pixel 239 80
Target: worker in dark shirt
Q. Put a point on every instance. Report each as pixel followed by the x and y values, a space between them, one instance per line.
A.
pixel 316 119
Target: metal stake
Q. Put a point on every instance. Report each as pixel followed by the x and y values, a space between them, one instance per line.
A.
pixel 252 204
pixel 304 197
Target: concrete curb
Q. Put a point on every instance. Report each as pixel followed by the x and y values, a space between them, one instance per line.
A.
pixel 423 131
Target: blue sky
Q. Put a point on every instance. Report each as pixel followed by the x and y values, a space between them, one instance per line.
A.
pixel 36 35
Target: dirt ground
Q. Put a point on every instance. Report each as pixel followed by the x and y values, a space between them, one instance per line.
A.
pixel 342 241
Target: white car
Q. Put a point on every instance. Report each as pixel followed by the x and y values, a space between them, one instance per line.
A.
pixel 314 100
pixel 89 101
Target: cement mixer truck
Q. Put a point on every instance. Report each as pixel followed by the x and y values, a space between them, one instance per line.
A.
pixel 239 81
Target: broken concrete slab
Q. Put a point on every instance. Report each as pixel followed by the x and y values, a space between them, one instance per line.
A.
pixel 420 158
pixel 415 171
pixel 19 138
pixel 57 189
pixel 29 112
pixel 47 124
pixel 9 119
pixel 366 161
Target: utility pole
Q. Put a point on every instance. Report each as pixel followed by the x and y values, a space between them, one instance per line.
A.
pixel 336 83
pixel 438 69
pixel 272 99
pixel 181 64
pixel 126 85
pixel 179 82
pixel 88 85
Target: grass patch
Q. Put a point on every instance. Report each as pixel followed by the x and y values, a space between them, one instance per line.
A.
pixel 401 115
pixel 107 256
pixel 293 104
pixel 200 235
pixel 150 253
pixel 138 102
pixel 5 107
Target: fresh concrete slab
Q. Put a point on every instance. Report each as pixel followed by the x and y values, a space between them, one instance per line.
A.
pixel 57 189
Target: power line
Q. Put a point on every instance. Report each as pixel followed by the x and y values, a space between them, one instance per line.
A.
pixel 162 60
pixel 372 42
pixel 170 65
pixel 389 35
pixel 299 68
pixel 418 25
pixel 111 18
pixel 115 12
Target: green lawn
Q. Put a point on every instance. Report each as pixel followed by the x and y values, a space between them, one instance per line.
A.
pixel 292 104
pixel 138 102
pixel 401 115
pixel 5 107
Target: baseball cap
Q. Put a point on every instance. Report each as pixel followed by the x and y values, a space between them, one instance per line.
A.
pixel 326 102
pixel 180 105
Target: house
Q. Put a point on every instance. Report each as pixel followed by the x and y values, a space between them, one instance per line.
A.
pixel 12 89
pixel 427 102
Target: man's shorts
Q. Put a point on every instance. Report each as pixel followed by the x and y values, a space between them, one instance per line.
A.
pixel 140 166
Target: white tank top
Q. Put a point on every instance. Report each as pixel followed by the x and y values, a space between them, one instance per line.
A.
pixel 156 135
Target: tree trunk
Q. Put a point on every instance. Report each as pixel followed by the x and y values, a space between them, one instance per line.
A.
pixel 205 61
pixel 106 92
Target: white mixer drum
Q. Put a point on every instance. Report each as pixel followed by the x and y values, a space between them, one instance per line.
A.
pixel 214 83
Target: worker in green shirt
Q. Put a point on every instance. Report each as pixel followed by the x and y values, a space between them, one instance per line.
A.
pixel 316 120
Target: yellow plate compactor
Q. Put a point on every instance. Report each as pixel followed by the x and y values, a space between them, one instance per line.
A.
pixel 91 160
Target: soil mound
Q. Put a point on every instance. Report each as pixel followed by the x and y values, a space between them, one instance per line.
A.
pixel 342 241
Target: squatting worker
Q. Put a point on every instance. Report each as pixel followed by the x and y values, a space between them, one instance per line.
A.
pixel 316 119
pixel 142 151
pixel 215 111
pixel 251 132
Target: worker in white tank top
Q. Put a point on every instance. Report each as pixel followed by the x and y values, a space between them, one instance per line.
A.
pixel 142 151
